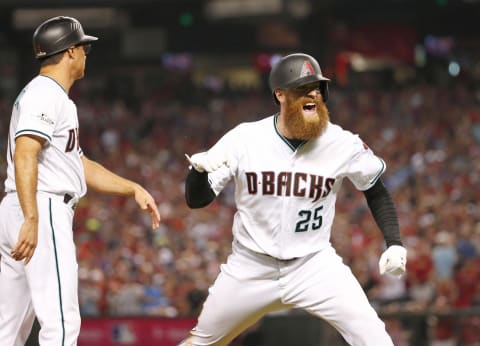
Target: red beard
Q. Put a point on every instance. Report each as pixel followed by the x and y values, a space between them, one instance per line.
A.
pixel 301 127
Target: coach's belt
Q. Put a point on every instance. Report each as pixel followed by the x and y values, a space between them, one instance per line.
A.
pixel 68 200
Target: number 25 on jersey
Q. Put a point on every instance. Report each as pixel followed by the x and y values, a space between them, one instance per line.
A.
pixel 309 220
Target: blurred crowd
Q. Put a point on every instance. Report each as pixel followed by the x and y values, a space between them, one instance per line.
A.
pixel 429 136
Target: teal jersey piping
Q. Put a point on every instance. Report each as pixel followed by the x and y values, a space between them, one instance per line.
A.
pixel 275 118
pixel 42 75
pixel 58 271
pixel 42 134
pixel 374 180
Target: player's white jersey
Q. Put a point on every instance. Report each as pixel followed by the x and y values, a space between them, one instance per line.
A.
pixel 44 109
pixel 285 197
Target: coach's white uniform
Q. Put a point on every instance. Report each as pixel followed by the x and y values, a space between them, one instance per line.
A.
pixel 47 286
pixel 282 256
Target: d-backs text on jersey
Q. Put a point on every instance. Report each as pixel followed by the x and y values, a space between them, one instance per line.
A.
pixel 287 184
pixel 72 142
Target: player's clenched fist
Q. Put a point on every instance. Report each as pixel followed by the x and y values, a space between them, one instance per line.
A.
pixel 393 260
pixel 207 161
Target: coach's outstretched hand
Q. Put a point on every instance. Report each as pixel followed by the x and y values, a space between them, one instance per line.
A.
pixel 207 161
pixel 393 260
pixel 147 203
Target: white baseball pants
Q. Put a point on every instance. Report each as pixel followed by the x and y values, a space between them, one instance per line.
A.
pixel 46 287
pixel 251 285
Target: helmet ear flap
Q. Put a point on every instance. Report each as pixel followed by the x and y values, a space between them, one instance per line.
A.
pixel 324 90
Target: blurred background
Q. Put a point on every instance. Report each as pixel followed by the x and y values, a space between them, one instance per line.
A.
pixel 170 77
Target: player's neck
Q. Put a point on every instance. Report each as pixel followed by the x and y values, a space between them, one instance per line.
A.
pixel 282 128
pixel 58 75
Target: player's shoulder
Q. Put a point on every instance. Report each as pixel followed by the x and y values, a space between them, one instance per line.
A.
pixel 338 133
pixel 346 141
pixel 256 125
pixel 42 89
pixel 49 85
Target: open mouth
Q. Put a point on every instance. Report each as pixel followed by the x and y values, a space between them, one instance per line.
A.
pixel 310 107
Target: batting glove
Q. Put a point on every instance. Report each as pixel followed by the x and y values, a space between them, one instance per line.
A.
pixel 206 162
pixel 393 260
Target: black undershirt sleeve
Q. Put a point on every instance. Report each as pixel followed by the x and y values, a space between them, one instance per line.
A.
pixel 383 210
pixel 198 192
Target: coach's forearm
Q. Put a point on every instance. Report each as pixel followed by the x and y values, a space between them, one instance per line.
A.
pixel 102 180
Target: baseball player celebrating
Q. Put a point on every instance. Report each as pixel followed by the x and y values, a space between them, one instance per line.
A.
pixel 46 175
pixel 287 170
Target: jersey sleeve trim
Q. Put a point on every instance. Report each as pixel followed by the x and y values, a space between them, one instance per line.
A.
pixel 382 170
pixel 33 132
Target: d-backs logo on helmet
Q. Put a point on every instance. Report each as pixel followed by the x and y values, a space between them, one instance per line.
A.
pixel 307 69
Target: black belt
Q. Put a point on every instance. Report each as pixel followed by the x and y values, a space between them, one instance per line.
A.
pixel 67 198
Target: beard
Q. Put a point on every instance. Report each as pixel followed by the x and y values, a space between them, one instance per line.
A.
pixel 305 127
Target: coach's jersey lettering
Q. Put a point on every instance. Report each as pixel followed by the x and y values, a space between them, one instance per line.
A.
pixel 306 220
pixel 72 140
pixel 252 182
pixel 287 183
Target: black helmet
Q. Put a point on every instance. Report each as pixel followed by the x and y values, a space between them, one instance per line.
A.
pixel 58 34
pixel 295 70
